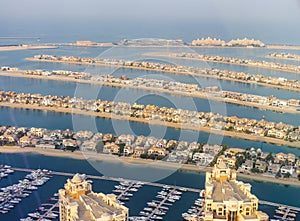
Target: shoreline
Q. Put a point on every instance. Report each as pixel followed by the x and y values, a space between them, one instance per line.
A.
pixel 168 55
pixel 28 47
pixel 171 72
pixel 203 95
pixel 137 161
pixel 278 142
pixel 282 58
pixel 283 47
pixel 112 44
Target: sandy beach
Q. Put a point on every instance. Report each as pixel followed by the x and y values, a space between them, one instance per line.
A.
pixel 282 58
pixel 170 55
pixel 284 47
pixel 26 47
pixel 282 87
pixel 138 161
pixel 186 126
pixel 287 109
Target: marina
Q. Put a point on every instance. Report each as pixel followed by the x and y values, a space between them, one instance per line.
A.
pixel 5 171
pixel 285 214
pixel 46 212
pixel 195 211
pixel 12 195
pixel 126 189
pixel 155 209
pixel 150 111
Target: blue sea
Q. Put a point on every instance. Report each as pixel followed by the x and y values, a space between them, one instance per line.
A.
pixel 51 120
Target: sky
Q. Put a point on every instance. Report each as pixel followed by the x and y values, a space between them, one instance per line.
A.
pixel 275 20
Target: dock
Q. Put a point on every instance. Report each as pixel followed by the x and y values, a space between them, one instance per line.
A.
pixel 112 179
pixel 278 205
pixel 161 203
pixel 48 212
pixel 283 213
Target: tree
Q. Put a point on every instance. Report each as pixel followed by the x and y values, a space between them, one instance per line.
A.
pixel 270 157
pixel 255 170
pixel 121 148
pixel 287 175
pixel 278 174
pixel 144 156
pixel 239 161
pixel 99 147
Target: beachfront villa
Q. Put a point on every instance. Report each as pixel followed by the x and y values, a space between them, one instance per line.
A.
pixel 77 201
pixel 227 199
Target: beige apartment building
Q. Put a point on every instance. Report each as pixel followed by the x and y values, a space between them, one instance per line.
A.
pixel 227 199
pixel 77 202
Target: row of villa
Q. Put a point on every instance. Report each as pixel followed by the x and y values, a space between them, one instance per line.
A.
pixel 238 61
pixel 221 74
pixel 127 145
pixel 255 161
pixel 282 55
pixel 168 86
pixel 161 114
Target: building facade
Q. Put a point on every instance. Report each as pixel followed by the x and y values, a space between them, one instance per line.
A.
pixel 227 199
pixel 77 202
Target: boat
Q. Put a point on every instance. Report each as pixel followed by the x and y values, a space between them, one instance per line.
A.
pixel 26 219
pixel 153 204
pixel 118 191
pixel 34 215
pixel 148 209
pixel 156 217
pixel 128 194
pixel 164 208
pixel 202 193
pixel 159 212
pixel 171 200
pixel 133 190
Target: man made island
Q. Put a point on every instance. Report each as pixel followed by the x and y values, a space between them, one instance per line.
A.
pixel 25 47
pixel 209 42
pixel 280 83
pixel 229 60
pixel 178 154
pixel 163 86
pixel 251 129
pixel 284 56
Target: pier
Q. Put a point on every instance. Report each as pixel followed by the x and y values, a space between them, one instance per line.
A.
pixel 286 212
pixel 48 212
pixel 278 205
pixel 161 203
pixel 113 179
pixel 125 191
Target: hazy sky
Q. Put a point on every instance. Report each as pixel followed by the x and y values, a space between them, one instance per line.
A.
pixel 277 17
pixel 168 9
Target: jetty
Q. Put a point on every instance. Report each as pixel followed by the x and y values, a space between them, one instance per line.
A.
pixel 117 179
pixel 113 179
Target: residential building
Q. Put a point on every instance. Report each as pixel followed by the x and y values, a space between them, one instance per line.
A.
pixel 287 169
pixel 274 168
pixel 261 165
pixel 77 201
pixel 229 199
pixel 247 166
pixel 230 161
